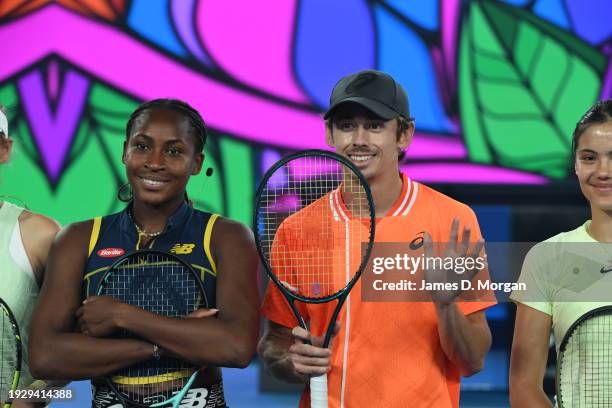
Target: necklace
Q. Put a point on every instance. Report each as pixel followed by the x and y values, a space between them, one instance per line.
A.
pixel 140 230
pixel 147 234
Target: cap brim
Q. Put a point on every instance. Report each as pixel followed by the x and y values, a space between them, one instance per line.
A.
pixel 380 109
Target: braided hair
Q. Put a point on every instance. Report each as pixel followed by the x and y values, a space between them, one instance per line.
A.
pixel 193 116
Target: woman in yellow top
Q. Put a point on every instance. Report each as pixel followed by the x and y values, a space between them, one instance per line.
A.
pixel 25 239
pixel 592 151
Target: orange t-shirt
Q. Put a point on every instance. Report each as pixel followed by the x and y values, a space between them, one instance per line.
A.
pixel 387 354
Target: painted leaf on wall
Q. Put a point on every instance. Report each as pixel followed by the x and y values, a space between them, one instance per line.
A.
pixel 523 84
pixel 86 188
pixel 88 185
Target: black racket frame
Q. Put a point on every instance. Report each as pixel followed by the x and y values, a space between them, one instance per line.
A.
pixel 341 295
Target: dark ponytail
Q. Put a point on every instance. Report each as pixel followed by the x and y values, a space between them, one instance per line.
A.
pixel 601 112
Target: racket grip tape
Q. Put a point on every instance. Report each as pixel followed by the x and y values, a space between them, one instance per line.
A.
pixel 318 391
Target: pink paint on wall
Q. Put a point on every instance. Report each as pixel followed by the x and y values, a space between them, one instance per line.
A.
pixel 252 41
pixel 469 173
pixel 137 69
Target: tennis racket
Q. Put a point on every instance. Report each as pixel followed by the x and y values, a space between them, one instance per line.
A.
pixel 164 284
pixel 314 228
pixel 584 365
pixel 10 354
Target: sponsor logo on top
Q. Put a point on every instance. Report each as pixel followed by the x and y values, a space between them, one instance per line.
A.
pixel 182 249
pixel 110 252
pixel 418 241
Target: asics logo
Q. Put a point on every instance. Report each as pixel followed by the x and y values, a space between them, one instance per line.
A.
pixel 417 242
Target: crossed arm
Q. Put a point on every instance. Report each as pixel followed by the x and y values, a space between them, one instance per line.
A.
pixel 228 339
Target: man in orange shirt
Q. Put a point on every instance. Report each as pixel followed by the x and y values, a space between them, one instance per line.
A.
pixel 385 354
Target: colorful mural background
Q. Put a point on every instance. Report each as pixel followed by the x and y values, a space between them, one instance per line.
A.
pixel 496 86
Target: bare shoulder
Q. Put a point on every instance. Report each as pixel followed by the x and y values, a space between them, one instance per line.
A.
pixel 71 246
pixel 227 230
pixel 233 246
pixel 38 223
pixel 42 235
pixel 78 232
pixel 37 234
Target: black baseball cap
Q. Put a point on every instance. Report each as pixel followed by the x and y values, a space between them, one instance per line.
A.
pixel 374 90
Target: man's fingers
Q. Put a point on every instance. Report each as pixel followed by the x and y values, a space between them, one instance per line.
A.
pixel 477 248
pixel 427 245
pixel 465 241
pixel 452 242
pixel 476 252
pixel 308 350
pixel 318 340
pixel 304 336
pixel 309 361
pixel 310 370
pixel 301 334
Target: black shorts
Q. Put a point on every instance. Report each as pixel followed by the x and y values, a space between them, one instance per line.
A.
pixel 210 396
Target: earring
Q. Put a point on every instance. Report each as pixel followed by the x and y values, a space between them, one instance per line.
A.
pixel 125 193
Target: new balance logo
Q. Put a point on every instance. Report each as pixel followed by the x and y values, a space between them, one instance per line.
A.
pixel 605 269
pixel 182 249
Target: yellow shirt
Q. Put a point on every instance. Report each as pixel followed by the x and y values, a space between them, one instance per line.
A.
pixel 564 278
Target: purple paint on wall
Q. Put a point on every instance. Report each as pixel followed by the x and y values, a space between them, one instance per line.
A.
pixel 53 131
pixel 268 158
pixel 450 15
pixel 183 15
pixel 53 80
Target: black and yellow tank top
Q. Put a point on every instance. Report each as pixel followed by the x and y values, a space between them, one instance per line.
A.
pixel 187 234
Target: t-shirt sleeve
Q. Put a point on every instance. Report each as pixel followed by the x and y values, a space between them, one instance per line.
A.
pixel 275 306
pixel 534 273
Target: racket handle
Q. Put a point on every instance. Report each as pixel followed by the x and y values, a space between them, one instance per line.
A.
pixel 318 391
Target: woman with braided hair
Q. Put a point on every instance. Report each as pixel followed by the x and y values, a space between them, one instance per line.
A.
pixel 70 337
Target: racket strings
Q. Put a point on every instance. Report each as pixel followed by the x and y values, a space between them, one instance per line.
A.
pixel 312 216
pixel 585 365
pixel 164 286
pixel 8 355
